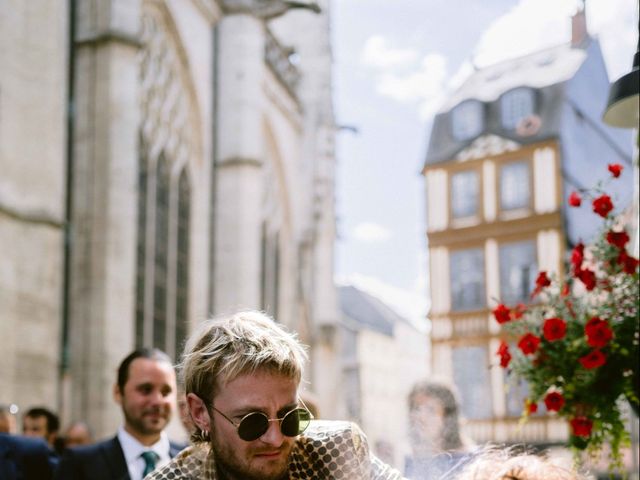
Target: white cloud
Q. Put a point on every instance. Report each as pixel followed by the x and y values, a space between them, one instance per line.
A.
pixel 616 24
pixel 377 54
pixel 536 24
pixel 370 232
pixel 529 26
pixel 424 84
pixel 411 305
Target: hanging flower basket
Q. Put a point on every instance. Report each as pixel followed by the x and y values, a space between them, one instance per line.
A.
pixel 577 342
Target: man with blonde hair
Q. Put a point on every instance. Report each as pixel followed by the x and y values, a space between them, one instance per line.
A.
pixel 242 376
pixel 495 463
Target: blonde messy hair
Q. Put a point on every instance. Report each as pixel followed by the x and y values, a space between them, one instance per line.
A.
pixel 496 463
pixel 222 349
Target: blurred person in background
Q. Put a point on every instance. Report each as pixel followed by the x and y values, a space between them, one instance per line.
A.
pixel 146 393
pixel 8 418
pixel 495 463
pixel 242 377
pixel 25 458
pixel 437 444
pixel 41 422
pixel 77 434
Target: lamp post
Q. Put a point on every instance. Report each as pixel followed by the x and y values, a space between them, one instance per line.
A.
pixel 623 111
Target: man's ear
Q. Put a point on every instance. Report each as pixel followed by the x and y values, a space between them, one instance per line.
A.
pixel 117 395
pixel 199 413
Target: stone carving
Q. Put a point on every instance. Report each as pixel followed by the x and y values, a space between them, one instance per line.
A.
pixel 267 9
pixel 168 114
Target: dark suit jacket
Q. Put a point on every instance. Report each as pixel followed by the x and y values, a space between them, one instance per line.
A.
pixel 102 461
pixel 25 458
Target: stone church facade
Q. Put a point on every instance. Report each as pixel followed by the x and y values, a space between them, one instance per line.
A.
pixel 161 161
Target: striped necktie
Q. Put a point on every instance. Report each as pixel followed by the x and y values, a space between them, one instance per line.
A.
pixel 150 458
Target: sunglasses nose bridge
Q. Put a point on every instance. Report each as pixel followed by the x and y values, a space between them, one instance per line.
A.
pixel 273 435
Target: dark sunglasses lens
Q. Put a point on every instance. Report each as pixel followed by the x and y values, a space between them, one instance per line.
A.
pixel 295 422
pixel 253 426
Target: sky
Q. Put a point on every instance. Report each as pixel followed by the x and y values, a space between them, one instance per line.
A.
pixel 395 61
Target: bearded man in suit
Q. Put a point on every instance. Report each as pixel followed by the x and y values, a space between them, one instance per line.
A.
pixel 146 393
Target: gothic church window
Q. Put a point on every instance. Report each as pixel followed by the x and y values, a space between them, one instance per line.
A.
pixel 182 264
pixel 161 255
pixel 170 146
pixel 269 271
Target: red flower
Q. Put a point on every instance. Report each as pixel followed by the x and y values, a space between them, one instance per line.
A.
pixel 587 277
pixel 581 426
pixel 602 205
pixel 503 353
pixel 554 329
pixel 502 313
pixel 615 169
pixel 629 263
pixel 574 199
pixel 530 407
pixel 577 256
pixel 593 359
pixel 518 311
pixel 598 332
pixel 554 401
pixel 619 239
pixel 541 282
pixel 529 343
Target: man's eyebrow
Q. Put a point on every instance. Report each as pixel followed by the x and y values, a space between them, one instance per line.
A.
pixel 242 411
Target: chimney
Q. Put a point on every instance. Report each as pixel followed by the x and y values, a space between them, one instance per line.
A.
pixel 579 28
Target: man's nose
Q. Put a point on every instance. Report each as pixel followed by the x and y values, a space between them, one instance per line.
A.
pixel 273 436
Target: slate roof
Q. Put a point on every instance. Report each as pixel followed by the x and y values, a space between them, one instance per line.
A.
pixel 363 311
pixel 546 71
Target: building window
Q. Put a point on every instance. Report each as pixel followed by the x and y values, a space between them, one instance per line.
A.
pixel 161 255
pixel 518 269
pixel 269 271
pixel 465 192
pixel 467 279
pixel 162 270
pixel 471 377
pixel 516 393
pixel 141 250
pixel 182 263
pixel 515 105
pixel 515 185
pixel 467 120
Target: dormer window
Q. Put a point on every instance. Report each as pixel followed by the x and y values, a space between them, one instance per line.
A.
pixel 515 105
pixel 467 120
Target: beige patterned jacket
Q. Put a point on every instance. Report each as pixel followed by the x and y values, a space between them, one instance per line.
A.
pixel 327 450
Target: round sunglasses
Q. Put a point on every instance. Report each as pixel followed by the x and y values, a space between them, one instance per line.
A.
pixel 255 424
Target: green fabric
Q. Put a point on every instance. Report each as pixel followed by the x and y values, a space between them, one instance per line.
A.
pixel 150 458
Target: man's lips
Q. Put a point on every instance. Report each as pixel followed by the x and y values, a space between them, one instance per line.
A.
pixel 269 455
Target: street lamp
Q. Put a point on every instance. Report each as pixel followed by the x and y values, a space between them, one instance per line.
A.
pixel 622 107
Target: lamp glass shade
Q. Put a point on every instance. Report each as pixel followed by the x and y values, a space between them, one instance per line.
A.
pixel 622 107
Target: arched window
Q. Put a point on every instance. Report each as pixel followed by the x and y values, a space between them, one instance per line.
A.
pixel 161 254
pixel 182 263
pixel 141 246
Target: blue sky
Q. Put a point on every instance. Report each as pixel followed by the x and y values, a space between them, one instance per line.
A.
pixel 394 62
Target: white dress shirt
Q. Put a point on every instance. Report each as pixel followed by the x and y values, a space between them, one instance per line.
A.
pixel 132 449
